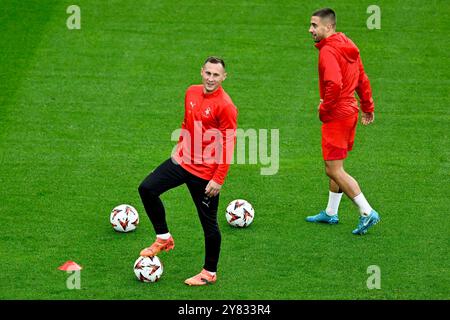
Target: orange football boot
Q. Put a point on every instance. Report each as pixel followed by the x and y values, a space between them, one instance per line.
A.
pixel 158 246
pixel 201 279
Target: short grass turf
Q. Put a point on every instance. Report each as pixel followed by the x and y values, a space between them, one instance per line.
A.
pixel 86 114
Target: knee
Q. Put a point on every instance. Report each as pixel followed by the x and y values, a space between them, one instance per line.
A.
pixel 213 235
pixel 331 172
pixel 212 231
pixel 146 190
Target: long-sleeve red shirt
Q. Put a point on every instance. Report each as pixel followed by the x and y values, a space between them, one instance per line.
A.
pixel 341 73
pixel 206 144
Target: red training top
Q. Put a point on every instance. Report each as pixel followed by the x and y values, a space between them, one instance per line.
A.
pixel 208 133
pixel 341 72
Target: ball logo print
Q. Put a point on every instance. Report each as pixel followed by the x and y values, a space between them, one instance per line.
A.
pixel 240 213
pixel 148 269
pixel 124 218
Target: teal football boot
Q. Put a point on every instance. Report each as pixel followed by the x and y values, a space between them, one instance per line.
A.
pixel 366 222
pixel 324 218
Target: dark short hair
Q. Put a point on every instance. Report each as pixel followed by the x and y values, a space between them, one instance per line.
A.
pixel 326 13
pixel 215 60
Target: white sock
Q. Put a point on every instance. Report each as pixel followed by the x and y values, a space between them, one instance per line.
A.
pixel 333 203
pixel 163 236
pixel 363 205
pixel 211 273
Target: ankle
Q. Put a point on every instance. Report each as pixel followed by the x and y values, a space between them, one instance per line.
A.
pixel 211 273
pixel 163 236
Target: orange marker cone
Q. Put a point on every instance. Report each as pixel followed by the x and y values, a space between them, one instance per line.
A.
pixel 70 266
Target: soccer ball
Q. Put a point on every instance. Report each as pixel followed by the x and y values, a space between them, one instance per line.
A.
pixel 124 218
pixel 239 213
pixel 148 269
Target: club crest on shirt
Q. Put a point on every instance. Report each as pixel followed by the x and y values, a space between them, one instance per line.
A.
pixel 207 112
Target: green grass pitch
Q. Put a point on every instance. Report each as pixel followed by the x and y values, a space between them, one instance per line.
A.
pixel 86 114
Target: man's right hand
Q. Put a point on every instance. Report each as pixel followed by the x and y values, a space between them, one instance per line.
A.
pixel 318 107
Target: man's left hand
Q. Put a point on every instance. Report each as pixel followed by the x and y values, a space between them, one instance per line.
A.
pixel 367 118
pixel 212 189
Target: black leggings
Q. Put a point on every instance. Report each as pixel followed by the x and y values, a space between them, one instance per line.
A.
pixel 170 175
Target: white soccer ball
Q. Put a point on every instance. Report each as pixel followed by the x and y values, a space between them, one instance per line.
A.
pixel 148 269
pixel 124 218
pixel 240 213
